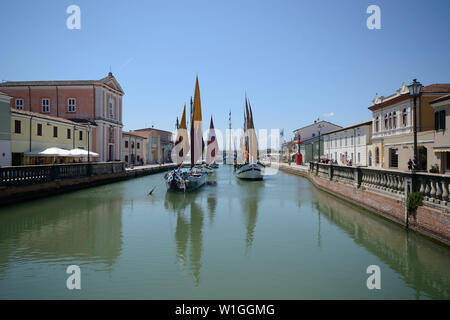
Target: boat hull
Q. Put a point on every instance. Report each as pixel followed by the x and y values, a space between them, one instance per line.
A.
pixel 250 172
pixel 185 181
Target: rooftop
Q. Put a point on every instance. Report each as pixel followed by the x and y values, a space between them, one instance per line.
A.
pixel 44 116
pixel 365 123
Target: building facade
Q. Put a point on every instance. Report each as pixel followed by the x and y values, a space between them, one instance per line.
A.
pixel 5 130
pixel 159 145
pixel 31 131
pixel 392 128
pixel 312 139
pixel 350 144
pixel 96 103
pixel 134 148
pixel 441 147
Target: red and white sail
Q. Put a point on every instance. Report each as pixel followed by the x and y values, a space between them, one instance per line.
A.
pixel 212 148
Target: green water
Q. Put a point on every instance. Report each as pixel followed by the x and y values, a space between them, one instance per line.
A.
pixel 276 239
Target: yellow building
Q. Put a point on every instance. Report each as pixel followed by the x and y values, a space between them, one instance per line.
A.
pixel 392 128
pixel 134 149
pixel 31 132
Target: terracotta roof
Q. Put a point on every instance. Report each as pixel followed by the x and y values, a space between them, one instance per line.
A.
pixel 137 134
pixel 443 98
pixel 437 88
pixel 44 116
pixel 365 123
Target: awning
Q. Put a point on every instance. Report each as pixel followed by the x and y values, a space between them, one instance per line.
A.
pixel 438 149
pixel 49 152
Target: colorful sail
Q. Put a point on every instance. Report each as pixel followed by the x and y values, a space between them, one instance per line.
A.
pixel 196 127
pixel 212 148
pixel 181 148
pixel 252 140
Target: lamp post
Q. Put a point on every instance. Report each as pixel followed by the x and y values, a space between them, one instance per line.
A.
pixel 88 138
pixel 414 90
pixel 319 127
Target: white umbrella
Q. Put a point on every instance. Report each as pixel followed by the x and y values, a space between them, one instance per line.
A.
pixel 50 152
pixel 82 153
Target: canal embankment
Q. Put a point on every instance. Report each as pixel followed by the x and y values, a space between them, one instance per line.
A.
pixel 383 197
pixel 24 183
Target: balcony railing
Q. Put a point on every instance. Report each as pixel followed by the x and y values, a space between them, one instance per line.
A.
pixel 434 187
pixel 26 175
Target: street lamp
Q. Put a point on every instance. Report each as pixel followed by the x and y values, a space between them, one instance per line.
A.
pixel 414 90
pixel 320 126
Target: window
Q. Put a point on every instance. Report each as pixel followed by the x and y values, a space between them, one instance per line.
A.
pixel 447 154
pixel 340 141
pixel 132 145
pixel 55 132
pixel 393 158
pixel 17 126
pixel 377 122
pixel 345 140
pixel 111 135
pixel 138 146
pixel 126 157
pixel 39 130
pixel 370 158
pixel 68 133
pixel 377 155
pixel 439 120
pixel 137 158
pixel 111 108
pixel 390 120
pixel 81 135
pixel 46 105
pixel 351 139
pixel 72 105
pixel 126 144
pixel 359 139
pixel 404 117
pixel 19 104
pixel 386 121
pixel 359 157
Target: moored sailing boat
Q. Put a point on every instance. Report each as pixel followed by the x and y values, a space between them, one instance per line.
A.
pixel 212 147
pixel 251 169
pixel 187 180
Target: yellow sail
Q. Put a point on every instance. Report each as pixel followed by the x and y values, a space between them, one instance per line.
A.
pixel 196 127
pixel 252 140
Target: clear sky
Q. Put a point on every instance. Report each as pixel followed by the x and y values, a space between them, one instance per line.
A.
pixel 297 60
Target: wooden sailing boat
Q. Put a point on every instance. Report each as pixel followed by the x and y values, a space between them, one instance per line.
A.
pixel 251 168
pixel 179 179
pixel 212 148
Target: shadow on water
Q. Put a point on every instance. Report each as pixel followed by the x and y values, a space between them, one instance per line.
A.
pixel 406 252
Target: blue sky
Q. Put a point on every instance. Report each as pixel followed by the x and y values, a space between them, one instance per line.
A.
pixel 297 60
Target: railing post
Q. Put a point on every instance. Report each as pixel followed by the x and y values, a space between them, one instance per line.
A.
pixel 357 177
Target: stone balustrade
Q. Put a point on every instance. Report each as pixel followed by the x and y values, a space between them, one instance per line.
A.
pixel 26 175
pixel 435 187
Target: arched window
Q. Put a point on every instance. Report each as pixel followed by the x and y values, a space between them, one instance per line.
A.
pixel 377 155
pixel 370 158
pixel 386 121
pixel 377 124
pixel 394 120
pixel 405 117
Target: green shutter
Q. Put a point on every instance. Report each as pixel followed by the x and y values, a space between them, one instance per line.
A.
pixel 442 120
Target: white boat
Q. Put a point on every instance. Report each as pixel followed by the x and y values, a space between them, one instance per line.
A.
pixel 248 167
pixel 253 171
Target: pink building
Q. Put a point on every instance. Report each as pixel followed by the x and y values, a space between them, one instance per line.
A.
pixel 97 103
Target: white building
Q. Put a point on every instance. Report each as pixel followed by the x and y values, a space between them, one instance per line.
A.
pixel 349 143
pixel 5 130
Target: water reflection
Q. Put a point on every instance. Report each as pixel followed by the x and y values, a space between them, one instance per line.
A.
pixel 189 229
pixel 249 203
pixel 408 253
pixel 72 227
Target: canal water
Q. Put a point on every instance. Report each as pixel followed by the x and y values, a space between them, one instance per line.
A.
pixel 280 238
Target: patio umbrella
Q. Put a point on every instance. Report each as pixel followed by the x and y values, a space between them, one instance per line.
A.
pixel 82 153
